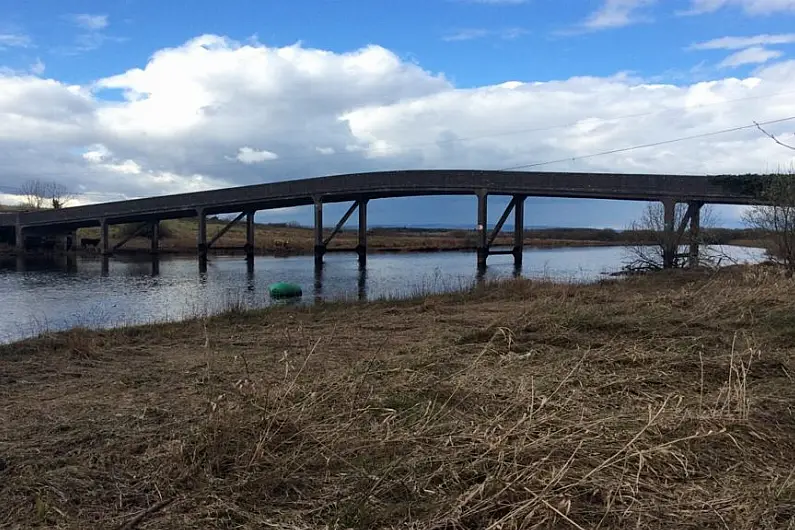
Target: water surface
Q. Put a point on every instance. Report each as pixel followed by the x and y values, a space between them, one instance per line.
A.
pixel 41 295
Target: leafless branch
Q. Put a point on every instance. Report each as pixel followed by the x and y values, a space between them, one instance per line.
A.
pixel 772 137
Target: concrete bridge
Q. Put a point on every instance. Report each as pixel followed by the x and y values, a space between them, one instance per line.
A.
pixel 360 188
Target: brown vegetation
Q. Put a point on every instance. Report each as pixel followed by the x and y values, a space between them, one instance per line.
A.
pixel 179 236
pixel 659 402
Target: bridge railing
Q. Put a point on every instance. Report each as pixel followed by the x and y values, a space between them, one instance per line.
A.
pixel 398 183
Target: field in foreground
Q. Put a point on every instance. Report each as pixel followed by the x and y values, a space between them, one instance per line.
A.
pixel 660 402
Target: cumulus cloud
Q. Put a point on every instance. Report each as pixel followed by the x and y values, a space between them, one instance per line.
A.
pixel 752 55
pixel 213 112
pixel 751 7
pixel 247 155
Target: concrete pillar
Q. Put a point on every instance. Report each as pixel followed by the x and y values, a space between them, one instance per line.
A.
pixel 249 235
pixel 362 283
pixel 201 233
pixel 669 237
pixel 201 239
pixel 104 237
pixel 320 248
pixel 483 249
pixel 695 228
pixel 518 230
pixel 361 247
pixel 155 238
pixel 19 238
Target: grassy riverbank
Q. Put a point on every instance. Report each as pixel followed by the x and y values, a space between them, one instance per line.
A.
pixel 659 402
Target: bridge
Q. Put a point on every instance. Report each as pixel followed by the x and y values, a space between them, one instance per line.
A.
pixel 360 188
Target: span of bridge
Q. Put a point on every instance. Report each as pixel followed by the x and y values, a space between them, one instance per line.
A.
pixel 694 190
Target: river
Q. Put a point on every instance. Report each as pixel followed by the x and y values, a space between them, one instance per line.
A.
pixel 61 293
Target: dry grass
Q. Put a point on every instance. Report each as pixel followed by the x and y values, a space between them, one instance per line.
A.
pixel 300 240
pixel 661 403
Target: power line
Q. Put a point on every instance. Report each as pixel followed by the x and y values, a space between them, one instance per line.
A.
pixel 653 144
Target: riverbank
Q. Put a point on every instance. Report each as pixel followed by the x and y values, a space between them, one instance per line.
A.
pixel 179 237
pixel 661 401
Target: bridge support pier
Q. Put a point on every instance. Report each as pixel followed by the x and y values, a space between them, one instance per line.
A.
pixel 19 238
pixel 669 239
pixel 361 247
pixel 104 237
pixel 201 239
pixel 483 246
pixel 695 233
pixel 518 230
pixel 249 248
pixel 320 247
pixel 321 243
pixel 486 239
pixel 154 248
pixel 673 235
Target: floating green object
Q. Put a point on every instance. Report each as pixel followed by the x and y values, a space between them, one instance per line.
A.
pixel 285 290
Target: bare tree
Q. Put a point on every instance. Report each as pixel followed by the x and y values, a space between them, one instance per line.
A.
pixel 38 194
pixel 777 218
pixel 648 249
pixel 58 195
pixel 33 194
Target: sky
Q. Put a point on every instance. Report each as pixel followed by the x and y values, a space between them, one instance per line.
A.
pixel 138 98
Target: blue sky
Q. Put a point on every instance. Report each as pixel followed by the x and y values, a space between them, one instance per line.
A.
pixel 474 42
pixel 461 50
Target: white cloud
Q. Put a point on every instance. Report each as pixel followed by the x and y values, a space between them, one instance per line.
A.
pixel 14 40
pixel 187 112
pixel 751 7
pixel 752 55
pixel 247 155
pixel 90 22
pixel 737 43
pixel 616 14
pixel 478 33
pixel 37 68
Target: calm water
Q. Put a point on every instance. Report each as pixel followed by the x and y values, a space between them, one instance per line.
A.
pixel 37 296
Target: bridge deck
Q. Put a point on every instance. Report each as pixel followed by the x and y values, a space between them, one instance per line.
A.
pixel 388 184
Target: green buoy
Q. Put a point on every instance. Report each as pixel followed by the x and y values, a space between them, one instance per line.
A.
pixel 285 290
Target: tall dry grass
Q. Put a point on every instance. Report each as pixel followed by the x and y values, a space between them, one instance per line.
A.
pixel 660 402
